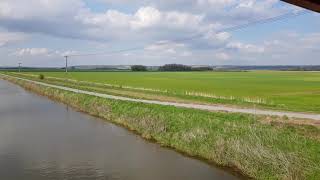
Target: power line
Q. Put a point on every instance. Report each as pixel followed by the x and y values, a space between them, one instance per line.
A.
pixel 108 52
pixel 197 36
pixel 268 20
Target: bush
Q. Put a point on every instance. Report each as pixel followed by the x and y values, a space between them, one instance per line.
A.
pixel 41 76
pixel 138 68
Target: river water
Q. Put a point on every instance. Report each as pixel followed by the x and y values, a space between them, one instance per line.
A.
pixel 41 139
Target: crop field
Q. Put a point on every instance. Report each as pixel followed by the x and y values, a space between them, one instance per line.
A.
pixel 292 91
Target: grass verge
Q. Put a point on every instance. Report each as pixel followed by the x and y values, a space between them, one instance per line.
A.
pixel 258 149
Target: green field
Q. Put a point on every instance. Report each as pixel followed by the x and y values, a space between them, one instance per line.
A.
pixel 293 91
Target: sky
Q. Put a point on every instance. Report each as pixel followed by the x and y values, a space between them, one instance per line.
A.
pixel 40 32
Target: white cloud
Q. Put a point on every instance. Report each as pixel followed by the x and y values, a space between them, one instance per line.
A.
pixel 37 9
pixel 245 48
pixel 168 48
pixel 32 52
pixel 303 44
pixel 216 3
pixel 223 36
pixel 160 20
pixel 222 56
pixel 42 52
pixel 232 11
pixel 66 53
pixel 311 39
pixel 149 19
pixel 9 37
pixel 146 17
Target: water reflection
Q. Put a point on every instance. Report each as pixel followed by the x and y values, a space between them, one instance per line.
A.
pixel 40 139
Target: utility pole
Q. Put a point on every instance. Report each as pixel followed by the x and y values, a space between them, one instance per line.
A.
pixel 20 67
pixel 66 63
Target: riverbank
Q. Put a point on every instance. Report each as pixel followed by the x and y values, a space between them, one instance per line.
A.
pixel 56 142
pixel 260 149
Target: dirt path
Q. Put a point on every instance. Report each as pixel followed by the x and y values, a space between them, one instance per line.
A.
pixel 184 105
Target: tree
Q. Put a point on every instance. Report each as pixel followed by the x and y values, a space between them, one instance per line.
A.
pixel 175 67
pixel 204 68
pixel 138 68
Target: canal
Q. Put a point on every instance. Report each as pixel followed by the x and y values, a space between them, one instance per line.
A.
pixel 41 139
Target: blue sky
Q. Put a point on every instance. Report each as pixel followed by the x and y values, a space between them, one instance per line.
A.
pixel 41 32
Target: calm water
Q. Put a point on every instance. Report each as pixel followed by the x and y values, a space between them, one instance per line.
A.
pixel 40 139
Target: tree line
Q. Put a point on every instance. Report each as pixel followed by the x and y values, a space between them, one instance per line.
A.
pixel 172 67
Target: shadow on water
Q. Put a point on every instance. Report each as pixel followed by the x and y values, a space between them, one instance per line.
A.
pixel 40 139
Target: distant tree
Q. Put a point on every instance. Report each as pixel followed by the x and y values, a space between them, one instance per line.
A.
pixel 175 67
pixel 204 68
pixel 138 68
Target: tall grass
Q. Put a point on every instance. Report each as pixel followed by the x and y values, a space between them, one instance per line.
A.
pixel 259 149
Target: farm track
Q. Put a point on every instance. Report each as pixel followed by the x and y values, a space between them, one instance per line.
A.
pixel 183 105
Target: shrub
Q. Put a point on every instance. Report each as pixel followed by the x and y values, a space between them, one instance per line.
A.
pixel 41 76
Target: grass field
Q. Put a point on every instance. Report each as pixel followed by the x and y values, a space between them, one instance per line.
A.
pixel 258 148
pixel 293 91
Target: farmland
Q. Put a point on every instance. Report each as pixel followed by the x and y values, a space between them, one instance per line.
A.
pixel 291 91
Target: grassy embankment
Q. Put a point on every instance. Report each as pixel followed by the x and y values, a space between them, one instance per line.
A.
pixel 289 91
pixel 258 148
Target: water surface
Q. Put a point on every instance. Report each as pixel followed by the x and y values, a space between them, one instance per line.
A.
pixel 40 139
